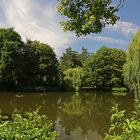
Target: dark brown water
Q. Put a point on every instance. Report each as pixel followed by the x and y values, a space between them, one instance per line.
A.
pixel 83 116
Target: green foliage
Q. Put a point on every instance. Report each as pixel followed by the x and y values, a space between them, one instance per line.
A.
pixel 84 56
pixel 132 66
pixel 34 66
pixel 27 127
pixel 69 59
pixel 11 50
pixel 73 79
pixel 104 69
pixel 87 73
pixel 26 65
pixel 8 62
pixel 41 64
pixel 9 35
pixel 85 16
pixel 123 128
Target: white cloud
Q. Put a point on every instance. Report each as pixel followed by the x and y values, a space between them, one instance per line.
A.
pixel 37 22
pixel 126 28
pixel 108 40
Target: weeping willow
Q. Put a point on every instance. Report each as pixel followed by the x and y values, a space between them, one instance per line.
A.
pixel 132 66
pixel 73 78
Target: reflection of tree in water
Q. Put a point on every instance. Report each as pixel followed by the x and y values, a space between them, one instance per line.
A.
pixel 87 111
pixel 90 112
pixel 74 107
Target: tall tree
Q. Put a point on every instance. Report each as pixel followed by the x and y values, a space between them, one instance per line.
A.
pixel 132 66
pixel 88 16
pixel 11 52
pixel 84 55
pixel 69 59
pixel 26 65
pixel 8 34
pixel 41 64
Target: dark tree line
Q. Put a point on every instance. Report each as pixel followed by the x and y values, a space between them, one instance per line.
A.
pixel 100 70
pixel 33 66
pixel 26 66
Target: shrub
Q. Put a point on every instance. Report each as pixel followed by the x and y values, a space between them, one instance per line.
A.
pixel 29 126
pixel 123 128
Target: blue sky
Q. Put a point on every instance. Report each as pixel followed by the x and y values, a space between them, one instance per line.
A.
pixel 39 20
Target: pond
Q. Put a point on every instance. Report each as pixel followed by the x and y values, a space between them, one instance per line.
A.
pixel 77 116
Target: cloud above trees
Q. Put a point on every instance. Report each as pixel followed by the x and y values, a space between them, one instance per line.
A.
pixel 39 20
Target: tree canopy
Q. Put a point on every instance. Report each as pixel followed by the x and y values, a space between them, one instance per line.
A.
pixel 33 66
pixel 26 65
pixel 69 59
pixel 42 63
pixel 73 79
pixel 88 16
pixel 132 66
pixel 8 34
pixel 84 55
pixel 104 69
pixel 11 50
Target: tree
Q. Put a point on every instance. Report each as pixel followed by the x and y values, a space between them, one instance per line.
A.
pixel 26 66
pixel 84 55
pixel 9 65
pixel 132 66
pixel 11 50
pixel 88 16
pixel 69 59
pixel 87 72
pixel 41 64
pixel 105 68
pixel 8 34
pixel 73 79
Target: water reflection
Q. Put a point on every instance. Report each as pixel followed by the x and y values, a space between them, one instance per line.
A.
pixel 77 116
pixel 74 106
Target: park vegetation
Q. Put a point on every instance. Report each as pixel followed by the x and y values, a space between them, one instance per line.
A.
pixel 26 66
pixel 29 126
pixel 33 66
pixel 122 127
pixel 132 66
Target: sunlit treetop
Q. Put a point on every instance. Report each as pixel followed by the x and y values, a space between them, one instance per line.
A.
pixel 88 16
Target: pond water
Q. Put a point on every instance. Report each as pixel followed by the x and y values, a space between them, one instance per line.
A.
pixel 77 116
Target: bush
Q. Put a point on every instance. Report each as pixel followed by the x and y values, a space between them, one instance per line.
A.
pixel 26 127
pixel 123 128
